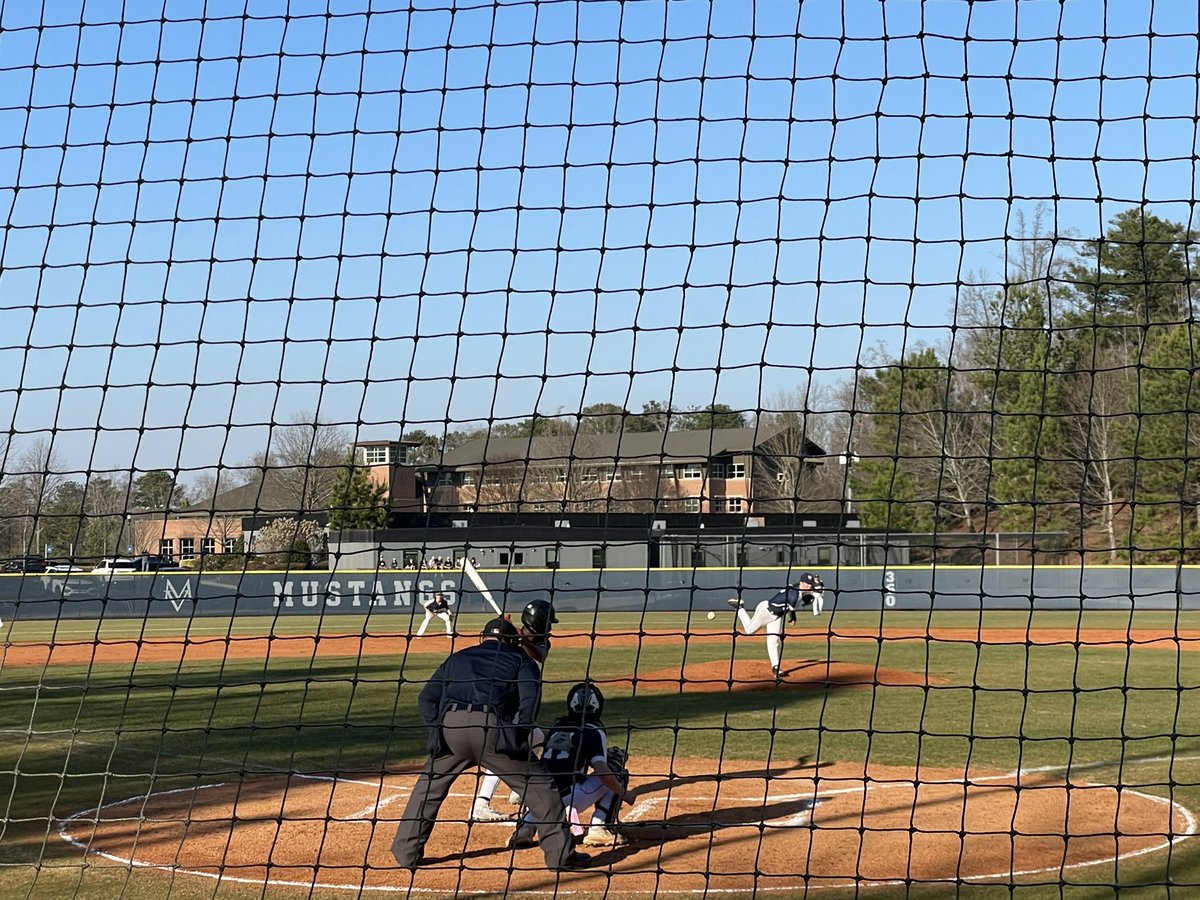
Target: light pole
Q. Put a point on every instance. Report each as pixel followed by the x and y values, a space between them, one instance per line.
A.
pixel 846 460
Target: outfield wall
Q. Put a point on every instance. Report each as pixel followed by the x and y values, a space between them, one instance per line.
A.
pixel 183 594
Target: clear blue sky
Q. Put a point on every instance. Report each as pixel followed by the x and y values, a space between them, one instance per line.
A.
pixel 210 224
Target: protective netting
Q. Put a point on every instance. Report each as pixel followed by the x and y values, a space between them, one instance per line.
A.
pixel 828 368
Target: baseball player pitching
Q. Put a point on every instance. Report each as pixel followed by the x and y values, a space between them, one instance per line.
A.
pixel 808 591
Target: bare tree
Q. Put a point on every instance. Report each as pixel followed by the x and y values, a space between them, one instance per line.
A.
pixel 1097 435
pixel 787 477
pixel 30 482
pixel 953 455
pixel 305 460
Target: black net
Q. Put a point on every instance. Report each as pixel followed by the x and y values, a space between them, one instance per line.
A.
pixel 819 376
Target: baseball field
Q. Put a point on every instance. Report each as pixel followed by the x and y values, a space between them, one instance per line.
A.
pixel 992 754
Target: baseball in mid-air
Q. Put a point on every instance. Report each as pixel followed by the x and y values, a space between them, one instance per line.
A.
pixel 712 615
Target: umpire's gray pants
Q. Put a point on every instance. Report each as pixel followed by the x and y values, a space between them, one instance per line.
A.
pixel 471 739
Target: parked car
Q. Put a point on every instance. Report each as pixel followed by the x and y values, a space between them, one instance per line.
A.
pixel 59 567
pixel 116 565
pixel 126 564
pixel 31 564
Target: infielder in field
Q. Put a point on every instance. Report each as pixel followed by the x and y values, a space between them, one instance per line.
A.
pixel 537 619
pixel 589 774
pixel 438 606
pixel 808 591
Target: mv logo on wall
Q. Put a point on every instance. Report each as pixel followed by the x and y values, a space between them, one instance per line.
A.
pixel 177 596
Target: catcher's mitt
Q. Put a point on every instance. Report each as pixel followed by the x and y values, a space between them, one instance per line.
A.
pixel 617 762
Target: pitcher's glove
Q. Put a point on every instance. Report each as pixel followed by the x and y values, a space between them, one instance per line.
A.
pixel 617 764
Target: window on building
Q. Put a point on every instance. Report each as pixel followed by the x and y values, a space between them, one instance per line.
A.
pixel 717 505
pixel 666 471
pixel 377 456
pixel 716 470
pixel 187 548
pixel 615 474
pixel 636 472
pixel 692 471
pixel 736 505
pixel 552 559
pixel 468 479
pixel 230 545
pixel 561 476
pixel 445 478
pixel 515 558
pixel 502 557
pixel 736 470
pixel 691 504
pixel 208 546
pixel 166 547
pixel 590 475
pixel 598 558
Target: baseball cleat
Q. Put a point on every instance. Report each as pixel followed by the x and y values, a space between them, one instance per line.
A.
pixel 514 798
pixel 483 811
pixel 776 672
pixel 522 836
pixel 603 836
pixel 574 862
pixel 735 602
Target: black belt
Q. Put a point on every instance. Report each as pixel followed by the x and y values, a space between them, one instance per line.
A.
pixel 469 707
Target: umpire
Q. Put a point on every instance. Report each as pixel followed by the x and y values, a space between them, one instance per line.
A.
pixel 479 707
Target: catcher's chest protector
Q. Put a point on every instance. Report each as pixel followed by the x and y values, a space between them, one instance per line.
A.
pixel 571 750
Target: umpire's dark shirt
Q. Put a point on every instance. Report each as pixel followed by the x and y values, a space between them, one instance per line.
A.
pixel 491 674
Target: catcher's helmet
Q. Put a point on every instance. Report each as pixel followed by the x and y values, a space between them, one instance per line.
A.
pixel 538 616
pixel 585 699
pixel 501 630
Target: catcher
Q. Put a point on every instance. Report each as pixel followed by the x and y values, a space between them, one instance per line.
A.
pixel 590 775
pixel 537 619
pixel 808 591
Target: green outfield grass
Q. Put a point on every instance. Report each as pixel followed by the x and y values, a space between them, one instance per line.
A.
pixel 75 737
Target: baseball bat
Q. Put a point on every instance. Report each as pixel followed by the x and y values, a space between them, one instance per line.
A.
pixel 469 571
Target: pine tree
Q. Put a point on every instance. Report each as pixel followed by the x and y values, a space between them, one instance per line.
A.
pixel 356 501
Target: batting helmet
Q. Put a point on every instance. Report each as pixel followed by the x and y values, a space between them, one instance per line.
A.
pixel 807 578
pixel 501 630
pixel 585 699
pixel 538 616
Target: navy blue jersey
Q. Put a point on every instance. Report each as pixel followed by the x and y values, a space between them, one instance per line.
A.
pixel 572 749
pixel 785 601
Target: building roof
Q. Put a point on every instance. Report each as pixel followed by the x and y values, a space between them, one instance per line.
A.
pixel 267 496
pixel 649 447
